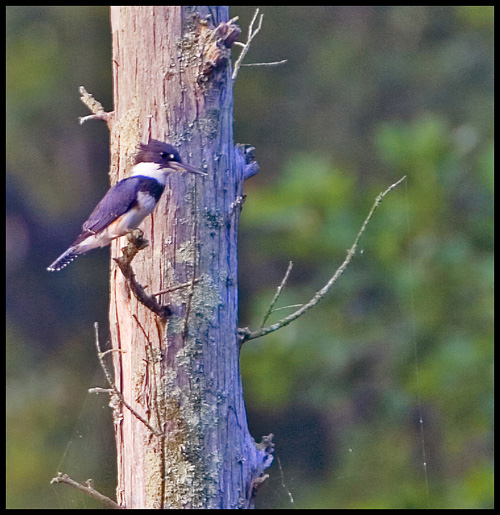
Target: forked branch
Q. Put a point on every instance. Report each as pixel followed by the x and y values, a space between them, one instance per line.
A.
pixel 95 107
pixel 246 334
pixel 246 47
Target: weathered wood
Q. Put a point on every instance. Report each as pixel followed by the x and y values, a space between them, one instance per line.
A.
pixel 172 82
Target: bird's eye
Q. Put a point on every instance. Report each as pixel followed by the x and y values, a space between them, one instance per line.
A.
pixel 166 155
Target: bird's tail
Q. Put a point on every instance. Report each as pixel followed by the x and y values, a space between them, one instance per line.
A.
pixel 64 259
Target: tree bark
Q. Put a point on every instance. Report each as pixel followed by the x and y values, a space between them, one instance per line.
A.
pixel 172 82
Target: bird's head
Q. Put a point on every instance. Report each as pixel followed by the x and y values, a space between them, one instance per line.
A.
pixel 165 156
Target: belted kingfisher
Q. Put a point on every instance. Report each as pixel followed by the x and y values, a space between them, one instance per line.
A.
pixel 128 202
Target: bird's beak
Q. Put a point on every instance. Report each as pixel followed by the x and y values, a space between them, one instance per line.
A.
pixel 183 167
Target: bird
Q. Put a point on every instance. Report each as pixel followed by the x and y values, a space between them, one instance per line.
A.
pixel 129 201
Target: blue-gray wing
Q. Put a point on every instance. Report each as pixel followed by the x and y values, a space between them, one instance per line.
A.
pixel 117 201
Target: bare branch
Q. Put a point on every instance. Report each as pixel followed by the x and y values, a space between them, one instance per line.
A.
pixel 95 107
pixel 278 292
pixel 174 288
pixel 97 389
pixel 115 391
pixel 246 47
pixel 245 334
pixel 274 63
pixel 136 243
pixel 288 307
pixel 87 488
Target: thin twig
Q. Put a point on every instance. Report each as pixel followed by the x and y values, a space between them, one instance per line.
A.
pixel 288 307
pixel 150 360
pixel 87 488
pixel 117 392
pixel 173 288
pixel 245 334
pixel 246 47
pixel 278 292
pixel 110 351
pixel 274 63
pixel 283 482
pixel 97 389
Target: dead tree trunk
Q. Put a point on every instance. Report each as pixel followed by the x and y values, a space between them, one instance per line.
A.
pixel 172 82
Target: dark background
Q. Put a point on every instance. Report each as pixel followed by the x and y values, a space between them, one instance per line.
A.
pixel 368 94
